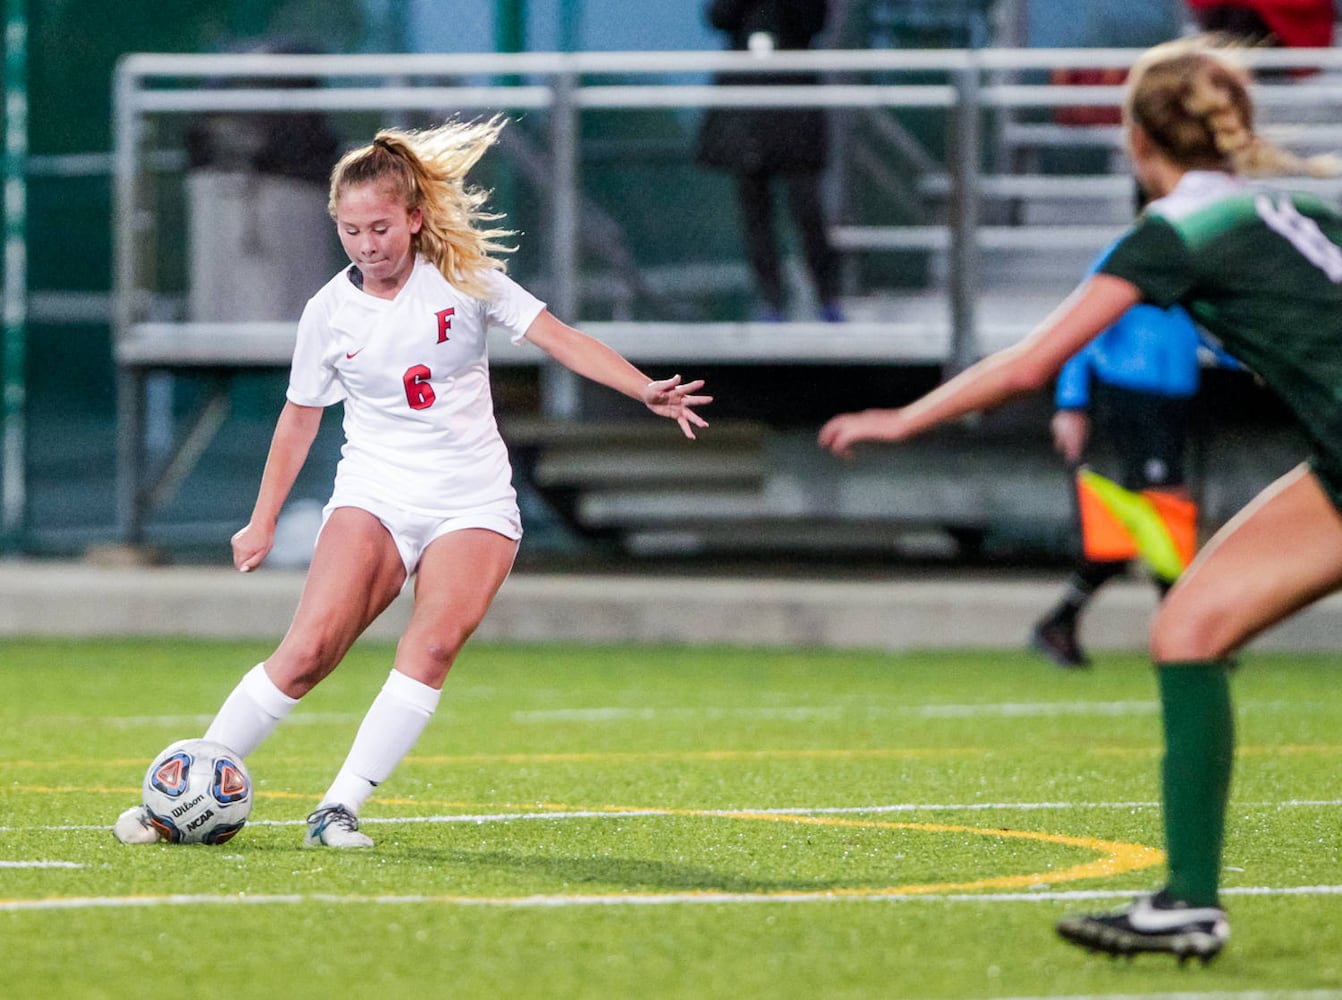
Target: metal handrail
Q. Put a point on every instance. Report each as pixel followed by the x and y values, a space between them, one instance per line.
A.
pixel 151 84
pixel 167 65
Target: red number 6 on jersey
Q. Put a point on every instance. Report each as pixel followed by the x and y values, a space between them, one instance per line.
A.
pixel 418 393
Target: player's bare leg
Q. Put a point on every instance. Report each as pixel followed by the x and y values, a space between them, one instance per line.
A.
pixel 1280 553
pixel 356 572
pixel 458 576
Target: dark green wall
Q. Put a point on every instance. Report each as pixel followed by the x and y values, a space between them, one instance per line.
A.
pixel 73 48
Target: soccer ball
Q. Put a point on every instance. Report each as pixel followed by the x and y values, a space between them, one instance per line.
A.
pixel 197 792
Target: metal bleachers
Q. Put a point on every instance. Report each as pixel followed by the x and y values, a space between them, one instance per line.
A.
pixel 1002 236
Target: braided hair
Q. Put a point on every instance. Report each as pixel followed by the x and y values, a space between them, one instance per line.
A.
pixel 1192 100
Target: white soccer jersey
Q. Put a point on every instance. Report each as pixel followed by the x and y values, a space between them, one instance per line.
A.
pixel 414 377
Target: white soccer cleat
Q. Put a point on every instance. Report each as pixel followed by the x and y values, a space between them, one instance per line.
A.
pixel 133 827
pixel 335 826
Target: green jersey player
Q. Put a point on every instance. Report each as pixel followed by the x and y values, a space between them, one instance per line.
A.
pixel 1262 270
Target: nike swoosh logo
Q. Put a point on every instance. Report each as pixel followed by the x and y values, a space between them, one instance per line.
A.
pixel 1152 921
pixel 350 357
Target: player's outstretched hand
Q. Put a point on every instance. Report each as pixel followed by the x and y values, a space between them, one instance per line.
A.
pixel 251 545
pixel 669 398
pixel 839 434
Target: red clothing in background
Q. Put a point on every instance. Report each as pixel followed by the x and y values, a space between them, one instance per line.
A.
pixel 1297 24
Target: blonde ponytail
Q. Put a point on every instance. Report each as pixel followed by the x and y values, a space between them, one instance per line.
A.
pixel 427 170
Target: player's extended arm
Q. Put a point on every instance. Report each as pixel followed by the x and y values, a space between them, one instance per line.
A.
pixel 295 431
pixel 1023 367
pixel 592 359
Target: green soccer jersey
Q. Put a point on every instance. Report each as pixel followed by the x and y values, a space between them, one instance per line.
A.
pixel 1262 271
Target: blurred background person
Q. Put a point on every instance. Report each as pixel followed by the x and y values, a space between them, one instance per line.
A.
pixel 256 188
pixel 1130 389
pixel 1300 24
pixel 1132 386
pixel 759 146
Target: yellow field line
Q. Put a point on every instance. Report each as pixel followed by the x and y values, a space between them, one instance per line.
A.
pixel 1116 857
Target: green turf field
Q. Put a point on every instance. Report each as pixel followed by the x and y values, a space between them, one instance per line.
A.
pixel 660 822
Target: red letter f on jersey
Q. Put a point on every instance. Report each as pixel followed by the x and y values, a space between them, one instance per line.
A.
pixel 444 323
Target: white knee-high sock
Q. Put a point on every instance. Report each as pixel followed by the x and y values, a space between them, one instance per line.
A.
pixel 392 726
pixel 250 713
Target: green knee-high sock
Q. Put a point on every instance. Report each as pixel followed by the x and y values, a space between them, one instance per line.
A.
pixel 1199 756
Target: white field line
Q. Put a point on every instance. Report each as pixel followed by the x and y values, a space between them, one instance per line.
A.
pixel 786 713
pixel 629 813
pixel 801 713
pixel 39 864
pixel 615 899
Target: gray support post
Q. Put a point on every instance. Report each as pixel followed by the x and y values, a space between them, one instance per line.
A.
pixel 559 387
pixel 126 307
pixel 964 217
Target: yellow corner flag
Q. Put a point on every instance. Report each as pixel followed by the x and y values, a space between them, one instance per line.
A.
pixel 1144 521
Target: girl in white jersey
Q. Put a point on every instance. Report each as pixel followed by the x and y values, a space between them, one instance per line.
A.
pixel 1264 273
pixel 423 487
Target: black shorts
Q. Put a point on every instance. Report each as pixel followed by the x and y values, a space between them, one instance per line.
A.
pixel 1147 432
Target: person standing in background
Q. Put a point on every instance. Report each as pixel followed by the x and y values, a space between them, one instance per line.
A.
pixel 759 146
pixel 1131 386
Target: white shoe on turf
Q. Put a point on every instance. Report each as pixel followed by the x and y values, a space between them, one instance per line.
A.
pixel 335 826
pixel 133 827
